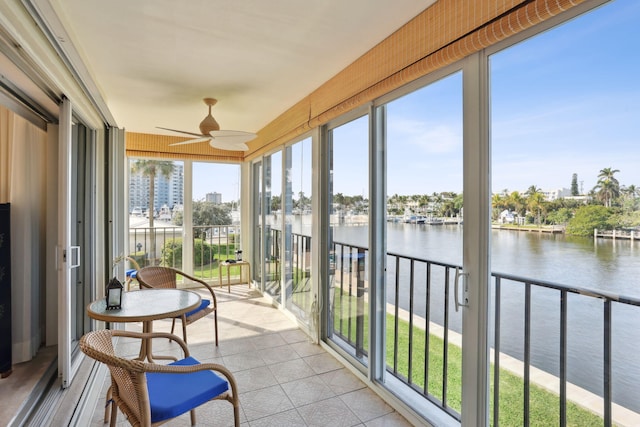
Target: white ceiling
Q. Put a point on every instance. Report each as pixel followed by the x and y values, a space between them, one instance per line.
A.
pixel 154 60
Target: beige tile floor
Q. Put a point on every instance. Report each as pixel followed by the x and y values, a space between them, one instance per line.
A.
pixel 284 379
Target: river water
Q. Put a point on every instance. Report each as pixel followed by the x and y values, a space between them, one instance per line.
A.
pixel 605 265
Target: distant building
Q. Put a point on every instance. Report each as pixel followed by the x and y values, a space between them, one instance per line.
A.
pixel 559 193
pixel 564 193
pixel 168 192
pixel 215 198
pixel 507 217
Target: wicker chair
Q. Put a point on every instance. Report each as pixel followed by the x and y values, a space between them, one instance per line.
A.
pixel 150 394
pixel 165 277
pixel 131 273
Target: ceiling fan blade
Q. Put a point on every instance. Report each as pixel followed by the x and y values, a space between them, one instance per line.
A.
pixel 192 141
pixel 237 133
pixel 225 144
pixel 236 136
pixel 181 131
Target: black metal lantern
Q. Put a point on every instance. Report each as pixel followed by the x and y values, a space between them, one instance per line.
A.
pixel 238 255
pixel 114 294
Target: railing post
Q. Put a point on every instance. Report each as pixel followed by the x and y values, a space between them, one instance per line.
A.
pixel 607 363
pixel 445 347
pixel 427 317
pixel 527 353
pixel 496 356
pixel 563 358
pixel 396 317
pixel 360 303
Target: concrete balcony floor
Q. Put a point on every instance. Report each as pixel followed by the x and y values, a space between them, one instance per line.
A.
pixel 283 378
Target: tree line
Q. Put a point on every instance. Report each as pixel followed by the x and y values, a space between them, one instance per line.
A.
pixel 608 205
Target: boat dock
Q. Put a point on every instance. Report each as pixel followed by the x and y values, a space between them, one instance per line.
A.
pixel 547 229
pixel 616 234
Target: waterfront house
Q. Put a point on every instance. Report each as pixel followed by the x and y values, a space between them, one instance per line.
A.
pixel 64 152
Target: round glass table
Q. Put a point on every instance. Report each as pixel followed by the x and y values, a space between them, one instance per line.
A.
pixel 146 306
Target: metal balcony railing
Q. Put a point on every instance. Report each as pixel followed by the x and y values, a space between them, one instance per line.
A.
pixel 420 311
pixel 164 246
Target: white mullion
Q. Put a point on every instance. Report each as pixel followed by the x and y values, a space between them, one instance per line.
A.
pixel 377 242
pixel 64 244
pixel 187 217
pixel 476 255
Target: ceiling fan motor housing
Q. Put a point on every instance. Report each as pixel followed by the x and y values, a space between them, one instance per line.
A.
pixel 209 123
pixel 210 132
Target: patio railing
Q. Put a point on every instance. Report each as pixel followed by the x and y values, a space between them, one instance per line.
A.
pixel 164 246
pixel 423 330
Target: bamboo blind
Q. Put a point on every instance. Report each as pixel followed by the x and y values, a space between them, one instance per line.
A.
pixel 442 34
pixel 157 146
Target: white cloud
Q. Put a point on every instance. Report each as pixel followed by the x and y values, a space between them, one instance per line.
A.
pixel 424 136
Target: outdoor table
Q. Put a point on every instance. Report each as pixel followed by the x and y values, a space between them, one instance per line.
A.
pixel 228 265
pixel 146 306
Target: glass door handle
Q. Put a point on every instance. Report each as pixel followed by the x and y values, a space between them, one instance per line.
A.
pixel 74 256
pixel 465 289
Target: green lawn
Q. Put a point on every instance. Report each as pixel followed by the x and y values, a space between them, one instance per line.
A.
pixel 544 405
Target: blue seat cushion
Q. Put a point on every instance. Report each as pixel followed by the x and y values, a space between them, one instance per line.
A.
pixel 204 303
pixel 131 273
pixel 171 395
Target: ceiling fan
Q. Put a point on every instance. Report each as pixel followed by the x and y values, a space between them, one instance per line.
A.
pixel 210 132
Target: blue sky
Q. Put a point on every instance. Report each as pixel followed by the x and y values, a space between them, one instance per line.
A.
pixel 566 101
pixel 216 178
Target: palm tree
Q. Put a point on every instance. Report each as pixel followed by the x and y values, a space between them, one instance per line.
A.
pixel 150 169
pixel 499 202
pixel 532 190
pixel 630 197
pixel 630 191
pixel 535 200
pixel 423 203
pixel 607 187
pixel 516 202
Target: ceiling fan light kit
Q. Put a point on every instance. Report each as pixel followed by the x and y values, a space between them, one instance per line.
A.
pixel 234 140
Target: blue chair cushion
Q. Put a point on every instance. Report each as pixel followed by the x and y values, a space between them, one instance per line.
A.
pixel 171 395
pixel 131 273
pixel 204 303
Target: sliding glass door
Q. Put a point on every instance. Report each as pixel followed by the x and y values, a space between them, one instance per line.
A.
pixel 82 152
pixel 348 256
pixel 297 230
pixel 272 220
pixel 75 238
pixel 424 241
pixel 402 289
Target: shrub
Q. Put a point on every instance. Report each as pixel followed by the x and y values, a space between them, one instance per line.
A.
pixel 587 218
pixel 203 252
pixel 172 253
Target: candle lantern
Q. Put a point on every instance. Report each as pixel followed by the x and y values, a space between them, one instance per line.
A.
pixel 114 294
pixel 238 255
